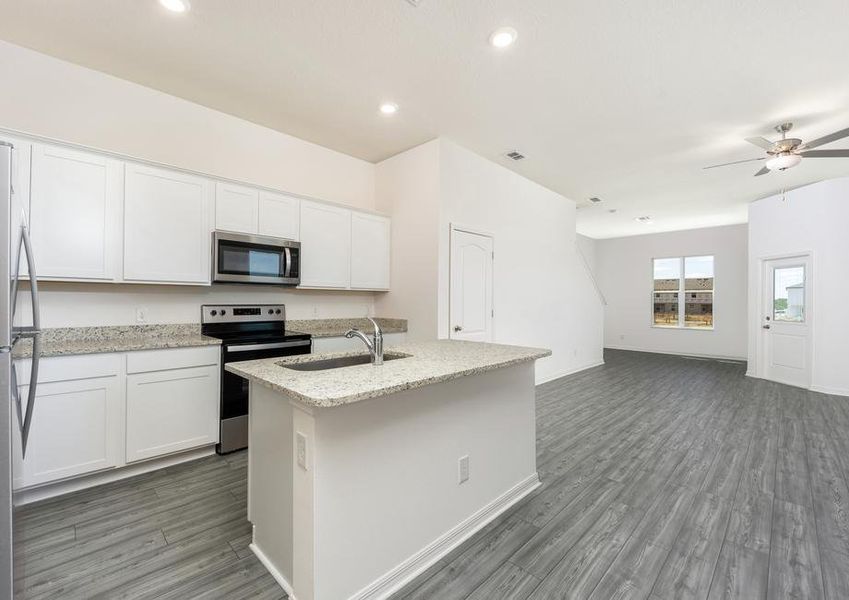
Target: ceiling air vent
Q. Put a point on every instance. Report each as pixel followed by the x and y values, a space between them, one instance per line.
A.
pixel 643 220
pixel 514 155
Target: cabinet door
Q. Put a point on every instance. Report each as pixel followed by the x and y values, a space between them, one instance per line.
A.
pixel 170 411
pixel 369 252
pixel 167 226
pixel 21 154
pixel 236 208
pixel 75 213
pixel 325 246
pixel 77 422
pixel 279 215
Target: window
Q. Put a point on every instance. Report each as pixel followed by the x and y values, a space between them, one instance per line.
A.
pixel 682 295
pixel 788 302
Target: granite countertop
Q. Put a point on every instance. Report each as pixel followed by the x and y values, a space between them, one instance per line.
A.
pixel 94 340
pixel 320 328
pixel 426 363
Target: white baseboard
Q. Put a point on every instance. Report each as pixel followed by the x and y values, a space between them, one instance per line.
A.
pixel 684 354
pixel 570 372
pixel 395 579
pixel 51 490
pixel 277 575
pixel 829 390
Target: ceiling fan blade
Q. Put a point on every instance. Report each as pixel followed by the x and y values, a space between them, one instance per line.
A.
pixel 736 162
pixel 826 139
pixel 825 153
pixel 760 142
pixel 763 171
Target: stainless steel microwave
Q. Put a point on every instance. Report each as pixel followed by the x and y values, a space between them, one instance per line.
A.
pixel 244 258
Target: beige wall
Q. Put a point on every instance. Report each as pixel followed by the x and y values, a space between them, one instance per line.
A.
pixel 624 272
pixel 48 97
pixel 408 189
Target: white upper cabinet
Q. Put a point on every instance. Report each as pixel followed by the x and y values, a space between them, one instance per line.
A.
pixel 167 226
pixel 75 213
pixel 325 246
pixel 370 247
pixel 279 215
pixel 21 154
pixel 236 207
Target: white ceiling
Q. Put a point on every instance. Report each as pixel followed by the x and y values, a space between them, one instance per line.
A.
pixel 624 100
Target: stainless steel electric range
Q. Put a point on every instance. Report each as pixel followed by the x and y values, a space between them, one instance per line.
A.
pixel 247 332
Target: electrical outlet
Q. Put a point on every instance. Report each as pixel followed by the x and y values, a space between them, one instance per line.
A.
pixel 463 468
pixel 301 441
pixel 141 315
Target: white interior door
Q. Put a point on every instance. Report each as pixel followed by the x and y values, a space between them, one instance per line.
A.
pixel 786 320
pixel 471 286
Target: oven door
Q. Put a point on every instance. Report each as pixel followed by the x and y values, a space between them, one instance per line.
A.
pixel 233 434
pixel 243 258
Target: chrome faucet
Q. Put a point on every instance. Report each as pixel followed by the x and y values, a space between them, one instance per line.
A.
pixel 375 346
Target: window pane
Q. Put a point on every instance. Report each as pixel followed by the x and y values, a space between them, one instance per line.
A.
pixel 667 274
pixel 698 273
pixel 665 307
pixel 698 309
pixel 788 302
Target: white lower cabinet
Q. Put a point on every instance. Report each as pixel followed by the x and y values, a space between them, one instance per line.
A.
pixel 98 412
pixel 172 401
pixel 77 423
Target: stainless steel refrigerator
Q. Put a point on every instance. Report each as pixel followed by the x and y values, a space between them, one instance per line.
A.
pixel 14 410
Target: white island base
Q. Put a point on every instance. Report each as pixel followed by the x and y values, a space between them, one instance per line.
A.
pixel 353 501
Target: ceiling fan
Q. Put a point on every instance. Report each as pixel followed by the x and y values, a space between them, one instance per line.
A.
pixel 787 152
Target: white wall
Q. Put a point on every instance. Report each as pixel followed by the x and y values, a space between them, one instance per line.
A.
pixel 810 219
pixel 624 272
pixel 56 99
pixel 407 187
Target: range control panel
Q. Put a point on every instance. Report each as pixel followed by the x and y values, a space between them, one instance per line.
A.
pixel 245 313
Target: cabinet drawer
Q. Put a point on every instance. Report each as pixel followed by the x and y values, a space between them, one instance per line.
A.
pixel 172 358
pixel 69 368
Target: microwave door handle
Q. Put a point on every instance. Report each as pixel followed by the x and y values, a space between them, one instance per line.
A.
pixel 288 254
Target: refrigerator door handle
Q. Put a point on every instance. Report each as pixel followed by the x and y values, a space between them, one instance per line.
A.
pixel 26 423
pixel 25 417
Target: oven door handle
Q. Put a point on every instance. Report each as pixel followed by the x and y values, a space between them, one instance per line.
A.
pixel 271 346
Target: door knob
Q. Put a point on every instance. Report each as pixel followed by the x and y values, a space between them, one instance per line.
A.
pixel 766 326
pixel 457 328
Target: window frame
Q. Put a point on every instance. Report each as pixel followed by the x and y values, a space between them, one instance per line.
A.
pixel 680 294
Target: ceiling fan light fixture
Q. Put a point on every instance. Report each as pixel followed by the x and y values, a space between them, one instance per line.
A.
pixel 783 161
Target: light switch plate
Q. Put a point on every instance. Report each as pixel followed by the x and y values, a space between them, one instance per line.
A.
pixel 463 468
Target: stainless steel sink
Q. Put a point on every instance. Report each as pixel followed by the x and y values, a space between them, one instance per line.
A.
pixel 340 362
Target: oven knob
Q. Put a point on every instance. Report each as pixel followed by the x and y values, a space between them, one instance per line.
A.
pixel 223 312
pixel 271 311
pixel 277 311
pixel 213 312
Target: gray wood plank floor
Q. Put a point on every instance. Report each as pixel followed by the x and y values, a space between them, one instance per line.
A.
pixel 667 477
pixel 663 477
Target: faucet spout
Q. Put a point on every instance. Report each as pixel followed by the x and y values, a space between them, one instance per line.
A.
pixel 375 345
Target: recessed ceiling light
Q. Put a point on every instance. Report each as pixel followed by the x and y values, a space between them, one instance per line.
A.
pixel 178 6
pixel 388 108
pixel 503 37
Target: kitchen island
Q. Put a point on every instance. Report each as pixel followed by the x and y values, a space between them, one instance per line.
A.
pixel 361 477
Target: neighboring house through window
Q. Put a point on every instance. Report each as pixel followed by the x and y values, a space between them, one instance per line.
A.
pixel 682 296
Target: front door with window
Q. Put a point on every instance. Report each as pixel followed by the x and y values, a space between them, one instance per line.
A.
pixel 786 320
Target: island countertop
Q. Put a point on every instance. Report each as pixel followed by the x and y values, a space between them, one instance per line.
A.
pixel 426 363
